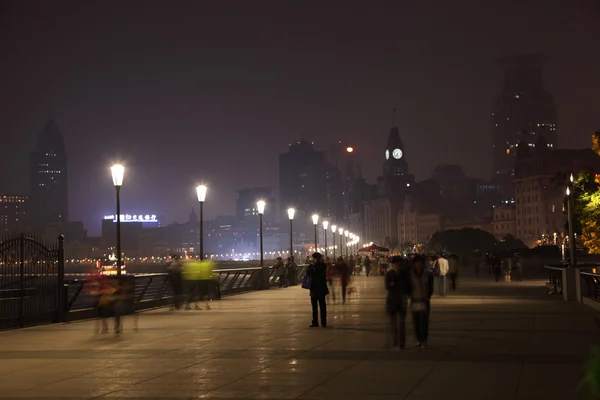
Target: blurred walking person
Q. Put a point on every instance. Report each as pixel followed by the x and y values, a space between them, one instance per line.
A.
pixel 367 265
pixel 318 290
pixel 191 274
pixel 291 269
pixel 341 272
pixel 421 287
pixel 453 270
pixel 507 265
pixel 176 278
pixel 441 270
pixel 397 285
pixel 518 268
pixel 281 272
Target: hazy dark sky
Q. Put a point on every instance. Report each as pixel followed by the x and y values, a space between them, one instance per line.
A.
pixel 189 91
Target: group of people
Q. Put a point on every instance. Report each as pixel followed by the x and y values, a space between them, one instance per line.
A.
pixel 507 268
pixel 192 282
pixel 285 272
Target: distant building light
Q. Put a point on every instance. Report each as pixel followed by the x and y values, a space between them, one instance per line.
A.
pixel 349 149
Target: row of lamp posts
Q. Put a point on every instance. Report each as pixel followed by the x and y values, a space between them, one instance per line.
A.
pixel 118 173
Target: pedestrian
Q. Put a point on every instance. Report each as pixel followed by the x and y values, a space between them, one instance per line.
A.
pixel 106 291
pixel 442 271
pixel 453 270
pixel 341 272
pixel 496 267
pixel 367 265
pixel 291 268
pixel 518 268
pixel 351 264
pixel 281 272
pixel 397 285
pixel 192 272
pixel 330 275
pixel 507 264
pixel 175 277
pixel 421 287
pixel 207 282
pixel 318 290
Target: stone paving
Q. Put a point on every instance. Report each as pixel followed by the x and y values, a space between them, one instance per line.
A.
pixel 493 341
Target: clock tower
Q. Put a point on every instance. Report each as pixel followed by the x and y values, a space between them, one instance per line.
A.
pixel 395 168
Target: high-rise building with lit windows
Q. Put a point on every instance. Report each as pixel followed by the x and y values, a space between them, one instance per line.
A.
pixel 48 178
pixel 13 213
pixel 523 111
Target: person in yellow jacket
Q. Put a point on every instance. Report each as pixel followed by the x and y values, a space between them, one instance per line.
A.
pixel 198 276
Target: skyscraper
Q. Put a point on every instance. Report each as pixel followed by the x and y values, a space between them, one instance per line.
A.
pixel 523 111
pixel 308 182
pixel 48 178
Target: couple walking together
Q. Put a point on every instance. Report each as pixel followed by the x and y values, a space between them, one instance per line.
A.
pixel 402 283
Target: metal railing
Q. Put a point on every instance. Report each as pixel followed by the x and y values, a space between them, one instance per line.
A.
pixel 154 289
pixel 555 283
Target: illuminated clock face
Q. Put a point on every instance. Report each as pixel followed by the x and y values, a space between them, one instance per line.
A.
pixel 387 154
pixel 397 154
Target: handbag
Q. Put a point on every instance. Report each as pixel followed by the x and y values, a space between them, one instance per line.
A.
pixel 306 282
pixel 418 306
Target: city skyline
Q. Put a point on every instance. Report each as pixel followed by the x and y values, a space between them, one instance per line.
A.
pixel 192 119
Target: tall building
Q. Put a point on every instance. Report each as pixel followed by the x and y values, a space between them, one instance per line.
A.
pixel 541 178
pixel 381 212
pixel 247 212
pixel 13 213
pixel 48 178
pixel 523 111
pixel 309 182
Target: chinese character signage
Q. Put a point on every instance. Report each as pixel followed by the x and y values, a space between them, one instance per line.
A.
pixel 134 218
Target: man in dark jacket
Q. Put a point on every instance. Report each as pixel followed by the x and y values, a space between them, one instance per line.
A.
pixel 318 290
pixel 421 288
pixel 397 285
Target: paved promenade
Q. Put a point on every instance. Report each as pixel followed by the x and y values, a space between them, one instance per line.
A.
pixel 488 341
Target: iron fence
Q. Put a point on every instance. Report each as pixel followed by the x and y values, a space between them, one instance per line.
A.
pixel 31 275
pixel 154 290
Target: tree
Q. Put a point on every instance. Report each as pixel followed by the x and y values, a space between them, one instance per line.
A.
pixel 586 198
pixel 460 241
pixel 509 242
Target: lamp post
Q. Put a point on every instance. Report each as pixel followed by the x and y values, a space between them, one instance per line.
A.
pixel 118 171
pixel 315 219
pixel 346 236
pixel 570 221
pixel 260 206
pixel 341 232
pixel 333 230
pixel 201 192
pixel 291 213
pixel 325 226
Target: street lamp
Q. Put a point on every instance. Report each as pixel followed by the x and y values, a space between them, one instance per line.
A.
pixel 570 221
pixel 260 206
pixel 341 232
pixel 325 226
pixel 291 213
pixel 346 236
pixel 333 230
pixel 201 192
pixel 118 171
pixel 315 219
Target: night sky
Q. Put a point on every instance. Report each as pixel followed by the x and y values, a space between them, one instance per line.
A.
pixel 190 91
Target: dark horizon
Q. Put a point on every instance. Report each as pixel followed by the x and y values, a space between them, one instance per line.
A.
pixel 214 93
